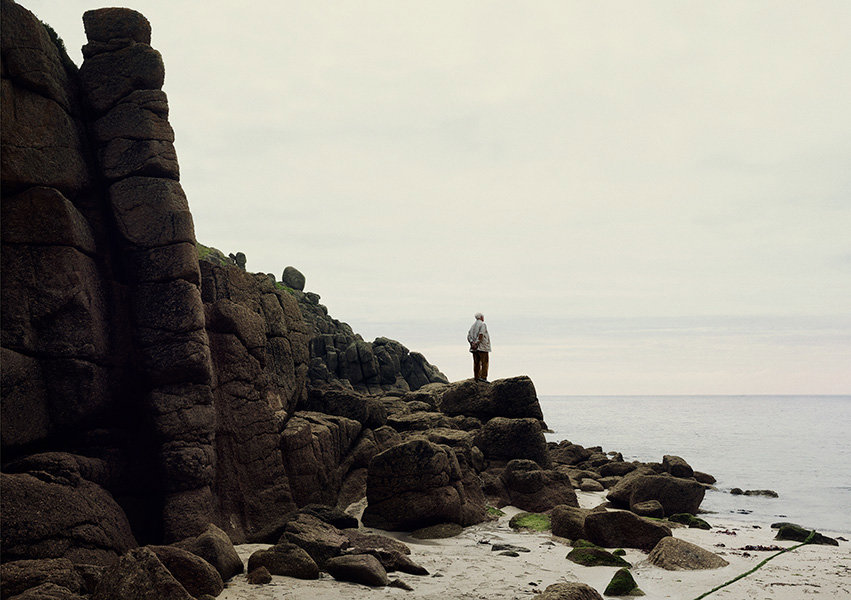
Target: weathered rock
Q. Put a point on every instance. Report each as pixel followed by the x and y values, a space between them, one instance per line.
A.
pixel 358 568
pixel 649 508
pixel 567 453
pixel 346 403
pixel 416 484
pixel 48 591
pixel 676 495
pixel 42 519
pixel 590 556
pixel 393 554
pixel 139 575
pixel 570 591
pixel 285 559
pixel 569 521
pixel 677 466
pixel 319 539
pixel 617 468
pixel 315 448
pixel 293 278
pixel 704 478
pixel 331 515
pixel 193 572
pixel 674 554
pixel 107 24
pixel 622 529
pixel 591 485
pixel 506 439
pixel 259 576
pixel 513 398
pixel 690 520
pixel 110 76
pixel 623 584
pixel 534 489
pixel 18 576
pixel 215 547
pixel 790 531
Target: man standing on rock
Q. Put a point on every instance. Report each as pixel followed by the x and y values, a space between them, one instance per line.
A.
pixel 480 346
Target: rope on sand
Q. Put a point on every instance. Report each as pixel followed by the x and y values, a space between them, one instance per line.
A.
pixel 746 573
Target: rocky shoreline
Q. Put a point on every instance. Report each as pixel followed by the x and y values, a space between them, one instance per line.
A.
pixel 175 427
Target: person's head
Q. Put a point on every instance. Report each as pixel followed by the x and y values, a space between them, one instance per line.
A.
pixel 480 316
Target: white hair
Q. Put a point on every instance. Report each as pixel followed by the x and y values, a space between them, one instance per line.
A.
pixel 479 316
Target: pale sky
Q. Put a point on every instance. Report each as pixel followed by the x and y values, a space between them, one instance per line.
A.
pixel 641 197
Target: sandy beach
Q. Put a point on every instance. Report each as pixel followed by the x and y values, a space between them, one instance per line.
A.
pixel 465 567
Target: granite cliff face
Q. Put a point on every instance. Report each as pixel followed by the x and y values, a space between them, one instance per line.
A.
pixel 129 369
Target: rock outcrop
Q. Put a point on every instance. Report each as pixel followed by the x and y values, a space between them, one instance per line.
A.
pixel 150 398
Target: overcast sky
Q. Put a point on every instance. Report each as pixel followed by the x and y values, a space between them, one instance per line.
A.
pixel 642 197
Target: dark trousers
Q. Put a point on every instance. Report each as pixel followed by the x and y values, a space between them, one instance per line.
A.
pixel 480 365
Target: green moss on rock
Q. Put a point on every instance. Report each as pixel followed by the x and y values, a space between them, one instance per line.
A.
pixel 623 584
pixel 596 557
pixel 533 521
pixel 690 520
pixel 494 512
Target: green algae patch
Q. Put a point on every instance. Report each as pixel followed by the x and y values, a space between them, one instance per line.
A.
pixel 596 557
pixel 494 512
pixel 623 584
pixel 532 521
pixel 690 520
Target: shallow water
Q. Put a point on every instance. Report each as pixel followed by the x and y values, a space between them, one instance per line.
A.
pixel 797 446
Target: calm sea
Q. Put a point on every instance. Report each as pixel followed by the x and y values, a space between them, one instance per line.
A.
pixel 797 446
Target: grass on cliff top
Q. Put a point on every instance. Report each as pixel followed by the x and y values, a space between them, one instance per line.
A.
pixel 533 521
pixel 212 255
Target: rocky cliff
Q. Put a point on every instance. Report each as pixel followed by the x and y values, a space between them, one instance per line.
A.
pixel 150 397
pixel 128 365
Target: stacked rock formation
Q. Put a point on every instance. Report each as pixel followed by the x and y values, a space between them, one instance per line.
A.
pixel 126 374
pixel 121 79
pixel 340 356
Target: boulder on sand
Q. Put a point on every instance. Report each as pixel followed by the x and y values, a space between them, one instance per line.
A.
pixel 358 568
pixel 622 529
pixel 416 484
pixel 674 554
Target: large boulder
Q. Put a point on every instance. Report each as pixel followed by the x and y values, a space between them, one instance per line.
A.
pixel 193 572
pixel 139 575
pixel 622 529
pixel 393 554
pixel 18 576
pixel 572 590
pixel 674 554
pixel 358 568
pixel 285 559
pixel 513 398
pixel 504 439
pixel 676 495
pixel 319 539
pixel 53 518
pixel 416 484
pixel 215 547
pixel 534 489
pixel 677 466
pixel 569 521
